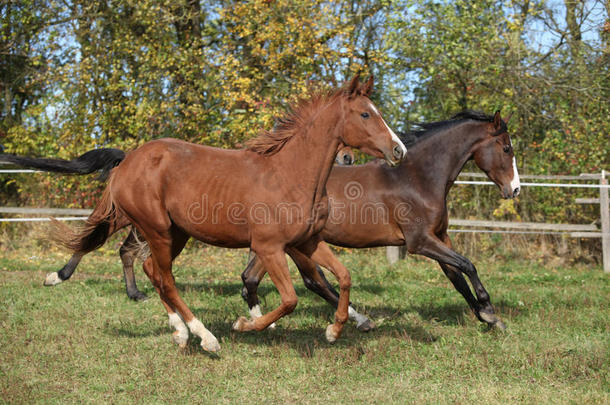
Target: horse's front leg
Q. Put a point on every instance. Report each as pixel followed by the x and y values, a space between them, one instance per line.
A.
pixel 453 264
pixel 460 284
pixel 315 280
pixel 274 260
pixel 251 278
pixel 318 251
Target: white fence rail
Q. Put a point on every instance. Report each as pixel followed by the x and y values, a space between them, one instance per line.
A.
pixel 481 226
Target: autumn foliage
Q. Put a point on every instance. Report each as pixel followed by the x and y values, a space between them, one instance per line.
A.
pixel 77 75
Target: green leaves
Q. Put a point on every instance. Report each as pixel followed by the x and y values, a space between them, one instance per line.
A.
pixel 77 74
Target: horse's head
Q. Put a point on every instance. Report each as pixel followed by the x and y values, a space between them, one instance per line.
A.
pixel 364 127
pixel 495 156
pixel 345 156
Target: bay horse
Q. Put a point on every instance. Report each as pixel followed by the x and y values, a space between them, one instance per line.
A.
pixel 411 206
pixel 270 196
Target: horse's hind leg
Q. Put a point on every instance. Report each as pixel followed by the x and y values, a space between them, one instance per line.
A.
pixel 181 333
pixel 128 254
pixel 453 264
pixel 69 268
pixel 66 272
pixel 315 280
pixel 164 247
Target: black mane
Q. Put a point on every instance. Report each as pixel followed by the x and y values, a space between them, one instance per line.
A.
pixel 424 129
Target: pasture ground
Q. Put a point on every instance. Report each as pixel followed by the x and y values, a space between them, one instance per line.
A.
pixel 84 341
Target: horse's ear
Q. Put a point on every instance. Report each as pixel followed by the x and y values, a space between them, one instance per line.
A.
pixel 497 120
pixel 353 85
pixel 367 89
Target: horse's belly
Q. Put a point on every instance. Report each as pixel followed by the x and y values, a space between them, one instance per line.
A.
pixel 360 235
pixel 213 229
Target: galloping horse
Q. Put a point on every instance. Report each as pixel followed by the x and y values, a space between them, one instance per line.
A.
pixel 408 206
pixel 270 196
pixel 103 160
pixel 130 246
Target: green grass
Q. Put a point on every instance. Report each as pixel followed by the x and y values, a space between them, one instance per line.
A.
pixel 84 341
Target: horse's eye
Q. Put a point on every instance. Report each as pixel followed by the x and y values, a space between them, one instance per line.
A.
pixel 365 115
pixel 506 148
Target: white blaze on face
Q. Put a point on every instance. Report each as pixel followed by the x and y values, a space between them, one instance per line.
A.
pixel 395 138
pixel 515 183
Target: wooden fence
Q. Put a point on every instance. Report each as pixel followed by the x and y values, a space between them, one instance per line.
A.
pixel 464 226
pixel 395 253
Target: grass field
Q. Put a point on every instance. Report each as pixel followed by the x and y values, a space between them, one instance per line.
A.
pixel 84 341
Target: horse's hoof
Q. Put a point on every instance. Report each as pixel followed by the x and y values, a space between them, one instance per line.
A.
pixel 492 320
pixel 366 326
pixel 180 339
pixel 139 296
pixel 242 324
pixel 52 279
pixel 210 344
pixel 500 325
pixel 331 335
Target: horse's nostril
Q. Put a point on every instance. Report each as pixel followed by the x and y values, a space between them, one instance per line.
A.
pixel 397 152
pixel 516 192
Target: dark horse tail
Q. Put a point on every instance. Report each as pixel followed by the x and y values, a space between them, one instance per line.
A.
pixel 104 220
pixel 102 160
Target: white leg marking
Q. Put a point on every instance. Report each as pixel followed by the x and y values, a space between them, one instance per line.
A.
pixel 181 335
pixel 52 279
pixel 208 341
pixel 515 183
pixel 331 337
pixel 355 316
pixel 255 312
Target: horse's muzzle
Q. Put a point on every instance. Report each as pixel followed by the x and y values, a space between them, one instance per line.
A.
pixel 399 153
pixel 507 193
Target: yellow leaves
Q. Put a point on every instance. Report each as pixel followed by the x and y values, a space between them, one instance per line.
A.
pixel 507 208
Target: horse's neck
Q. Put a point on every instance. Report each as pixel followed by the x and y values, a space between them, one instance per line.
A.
pixel 457 144
pixel 310 155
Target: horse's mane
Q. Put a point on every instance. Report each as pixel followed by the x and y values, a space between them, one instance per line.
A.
pixel 423 129
pixel 286 127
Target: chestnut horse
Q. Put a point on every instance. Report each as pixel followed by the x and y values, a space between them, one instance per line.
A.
pixel 270 196
pixel 375 205
pixel 130 247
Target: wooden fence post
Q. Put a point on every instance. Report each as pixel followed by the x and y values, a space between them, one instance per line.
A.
pixel 604 207
pixel 395 253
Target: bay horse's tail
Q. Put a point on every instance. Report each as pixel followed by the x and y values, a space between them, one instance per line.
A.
pixel 103 222
pixel 102 160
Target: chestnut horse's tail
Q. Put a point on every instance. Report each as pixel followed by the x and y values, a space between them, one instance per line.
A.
pixel 103 222
pixel 102 160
